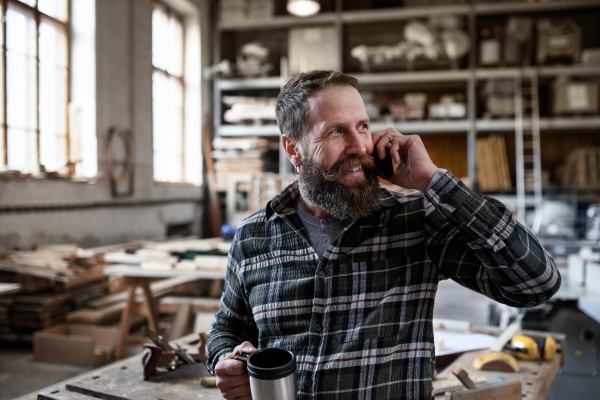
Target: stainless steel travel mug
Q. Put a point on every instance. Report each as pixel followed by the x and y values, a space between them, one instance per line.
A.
pixel 272 374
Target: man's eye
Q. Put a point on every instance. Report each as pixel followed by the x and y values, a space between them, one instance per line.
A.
pixel 337 130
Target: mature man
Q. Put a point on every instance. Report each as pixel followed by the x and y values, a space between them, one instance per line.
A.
pixel 343 273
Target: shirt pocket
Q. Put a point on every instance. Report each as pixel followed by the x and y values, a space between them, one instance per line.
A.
pixel 371 303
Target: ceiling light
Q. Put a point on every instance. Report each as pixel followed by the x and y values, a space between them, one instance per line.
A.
pixel 303 8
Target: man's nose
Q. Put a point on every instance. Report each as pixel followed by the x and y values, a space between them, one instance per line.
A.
pixel 356 143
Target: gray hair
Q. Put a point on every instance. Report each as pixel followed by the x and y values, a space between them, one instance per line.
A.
pixel 292 111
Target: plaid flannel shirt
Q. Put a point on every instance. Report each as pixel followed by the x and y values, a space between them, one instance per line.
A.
pixel 360 318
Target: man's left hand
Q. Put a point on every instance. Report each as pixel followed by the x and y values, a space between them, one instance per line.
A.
pixel 415 169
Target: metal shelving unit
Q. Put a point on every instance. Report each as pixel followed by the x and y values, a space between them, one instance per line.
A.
pixel 470 77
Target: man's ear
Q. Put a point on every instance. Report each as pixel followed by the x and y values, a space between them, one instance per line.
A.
pixel 292 149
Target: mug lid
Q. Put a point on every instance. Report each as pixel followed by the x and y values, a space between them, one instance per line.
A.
pixel 272 363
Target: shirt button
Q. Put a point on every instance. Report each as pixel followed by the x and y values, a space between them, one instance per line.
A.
pixel 322 275
pixel 318 328
pixel 323 239
pixel 325 222
pixel 308 383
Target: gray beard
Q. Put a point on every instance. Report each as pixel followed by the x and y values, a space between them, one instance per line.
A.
pixel 346 202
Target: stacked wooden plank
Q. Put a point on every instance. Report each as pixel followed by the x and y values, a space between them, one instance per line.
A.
pixel 54 280
pixel 264 187
pixel 247 155
pixel 493 173
pixel 65 283
pixel 186 254
pixel 31 312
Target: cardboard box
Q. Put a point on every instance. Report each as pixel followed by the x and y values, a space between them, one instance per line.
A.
pixel 577 97
pixel 77 344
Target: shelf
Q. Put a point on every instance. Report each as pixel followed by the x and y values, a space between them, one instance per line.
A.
pixel 387 78
pixel 494 125
pixel 579 70
pixel 463 125
pixel 248 130
pixel 496 73
pixel 388 14
pixel 551 71
pixel 559 123
pixel 532 7
pixel 423 126
pixel 404 127
pixel 570 123
pixel 273 82
pixel 283 21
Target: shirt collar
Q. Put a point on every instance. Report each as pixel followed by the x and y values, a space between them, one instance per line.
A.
pixel 283 204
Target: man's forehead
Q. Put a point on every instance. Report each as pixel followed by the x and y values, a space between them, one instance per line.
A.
pixel 336 101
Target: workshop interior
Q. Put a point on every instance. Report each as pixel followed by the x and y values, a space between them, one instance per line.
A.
pixel 137 135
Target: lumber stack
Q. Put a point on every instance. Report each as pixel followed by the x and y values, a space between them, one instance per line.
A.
pixel 65 283
pixel 266 186
pixel 54 279
pixel 247 155
pixel 493 173
pixel 182 254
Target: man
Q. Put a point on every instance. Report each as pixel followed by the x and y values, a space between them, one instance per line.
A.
pixel 343 273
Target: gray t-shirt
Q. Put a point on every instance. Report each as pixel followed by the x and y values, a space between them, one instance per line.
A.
pixel 321 231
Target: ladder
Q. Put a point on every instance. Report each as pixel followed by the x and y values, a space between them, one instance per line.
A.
pixel 527 146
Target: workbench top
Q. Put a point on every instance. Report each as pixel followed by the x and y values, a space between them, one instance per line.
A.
pixel 536 376
pixel 123 380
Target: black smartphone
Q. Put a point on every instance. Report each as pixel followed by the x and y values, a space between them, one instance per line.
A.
pixel 386 165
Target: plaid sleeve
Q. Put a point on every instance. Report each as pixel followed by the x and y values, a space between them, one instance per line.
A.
pixel 234 322
pixel 476 241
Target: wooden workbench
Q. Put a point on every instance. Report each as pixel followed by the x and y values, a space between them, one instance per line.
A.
pixel 123 380
pixel 536 376
pixel 139 277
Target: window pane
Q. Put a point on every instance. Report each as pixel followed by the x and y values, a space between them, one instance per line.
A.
pixel 159 38
pixel 54 8
pixel 168 128
pixel 20 31
pixel 53 44
pixel 53 116
pixel 21 148
pixel 175 47
pixel 53 96
pixel 21 91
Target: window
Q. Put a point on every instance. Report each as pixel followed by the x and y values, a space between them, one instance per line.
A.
pixel 34 84
pixel 167 95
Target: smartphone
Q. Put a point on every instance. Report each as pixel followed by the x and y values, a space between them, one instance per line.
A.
pixel 386 165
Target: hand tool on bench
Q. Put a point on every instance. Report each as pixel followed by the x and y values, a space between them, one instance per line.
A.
pixel 503 390
pixel 181 365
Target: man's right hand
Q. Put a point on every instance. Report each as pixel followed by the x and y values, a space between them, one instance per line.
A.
pixel 232 375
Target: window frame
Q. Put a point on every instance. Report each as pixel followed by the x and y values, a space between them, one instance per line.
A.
pixel 64 26
pixel 171 13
